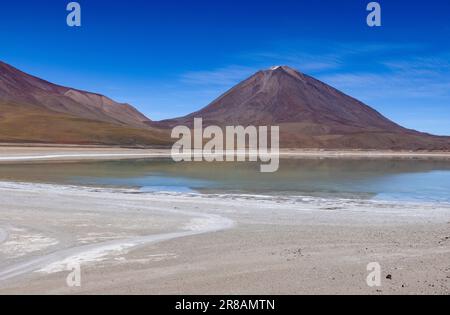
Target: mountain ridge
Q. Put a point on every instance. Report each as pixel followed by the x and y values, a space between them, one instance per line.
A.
pixel 20 87
pixel 310 113
pixel 33 110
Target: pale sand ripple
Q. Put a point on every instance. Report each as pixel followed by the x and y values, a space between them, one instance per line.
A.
pixel 3 235
pixel 59 261
pixel 19 245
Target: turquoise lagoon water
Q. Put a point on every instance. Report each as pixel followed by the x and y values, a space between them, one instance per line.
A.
pixel 384 179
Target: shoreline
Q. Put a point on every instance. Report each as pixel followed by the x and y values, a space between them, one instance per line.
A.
pixel 286 247
pixel 218 196
pixel 12 154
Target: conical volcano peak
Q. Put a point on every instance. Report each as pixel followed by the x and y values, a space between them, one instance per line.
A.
pixel 275 67
pixel 282 95
pixel 281 67
pixel 284 70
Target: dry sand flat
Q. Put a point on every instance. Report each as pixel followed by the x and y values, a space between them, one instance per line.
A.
pixel 28 153
pixel 74 153
pixel 189 244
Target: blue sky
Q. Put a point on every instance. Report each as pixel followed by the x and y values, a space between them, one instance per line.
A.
pixel 174 57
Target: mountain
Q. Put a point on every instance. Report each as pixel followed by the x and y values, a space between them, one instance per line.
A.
pixel 310 113
pixel 19 87
pixel 34 110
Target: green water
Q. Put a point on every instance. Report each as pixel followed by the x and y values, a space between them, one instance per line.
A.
pixel 387 179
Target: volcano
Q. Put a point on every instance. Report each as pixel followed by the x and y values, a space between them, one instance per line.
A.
pixel 310 113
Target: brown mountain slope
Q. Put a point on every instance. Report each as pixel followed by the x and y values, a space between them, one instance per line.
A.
pixel 20 88
pixel 36 111
pixel 310 114
pixel 31 124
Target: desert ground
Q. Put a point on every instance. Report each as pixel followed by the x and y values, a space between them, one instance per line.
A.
pixel 167 243
pixel 28 152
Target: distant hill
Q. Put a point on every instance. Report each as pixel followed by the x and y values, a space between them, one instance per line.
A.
pixel 310 113
pixel 34 110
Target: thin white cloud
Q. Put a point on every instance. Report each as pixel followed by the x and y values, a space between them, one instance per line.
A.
pixel 422 64
pixel 404 85
pixel 301 61
pixel 227 76
pixel 322 58
pixel 410 77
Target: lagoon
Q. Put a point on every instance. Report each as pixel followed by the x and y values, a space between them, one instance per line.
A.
pixel 380 179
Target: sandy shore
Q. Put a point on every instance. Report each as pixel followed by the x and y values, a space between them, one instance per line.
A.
pixel 24 153
pixel 10 154
pixel 188 244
